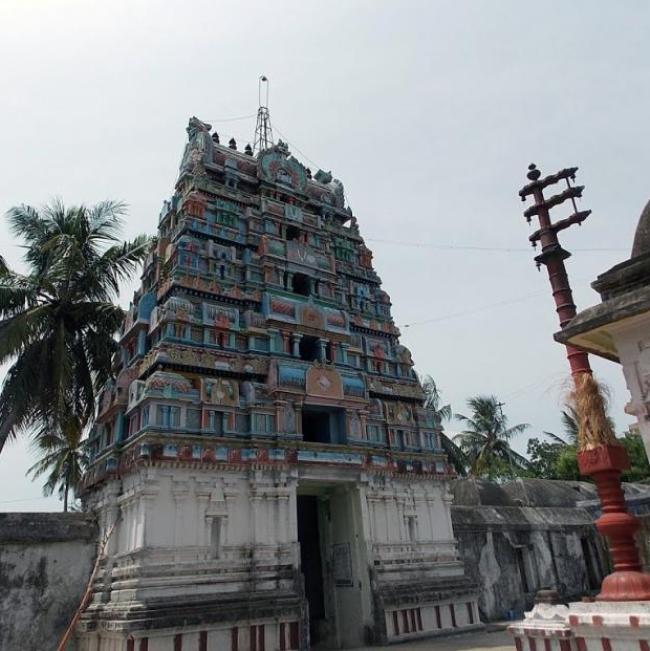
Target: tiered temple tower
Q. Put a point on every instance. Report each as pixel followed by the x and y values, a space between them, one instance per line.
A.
pixel 264 458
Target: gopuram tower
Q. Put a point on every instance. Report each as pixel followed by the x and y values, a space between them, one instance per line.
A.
pixel 263 462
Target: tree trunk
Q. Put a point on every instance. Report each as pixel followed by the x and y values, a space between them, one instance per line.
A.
pixel 65 497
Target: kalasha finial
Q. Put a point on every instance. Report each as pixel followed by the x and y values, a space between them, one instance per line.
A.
pixel 232 143
pixel 534 173
pixel 248 150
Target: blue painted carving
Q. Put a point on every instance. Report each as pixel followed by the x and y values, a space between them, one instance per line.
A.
pixel 318 456
pixel 145 305
pixel 291 376
pixel 353 385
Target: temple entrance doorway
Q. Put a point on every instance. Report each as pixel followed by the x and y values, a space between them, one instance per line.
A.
pixel 311 564
pixel 332 563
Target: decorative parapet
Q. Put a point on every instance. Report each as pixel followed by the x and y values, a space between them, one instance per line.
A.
pixel 203 358
pixel 386 327
pixel 208 285
pixel 396 389
pixel 585 626
pixel 174 447
pixel 443 551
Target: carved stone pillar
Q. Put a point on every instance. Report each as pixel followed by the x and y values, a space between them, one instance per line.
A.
pixel 322 349
pixel 295 341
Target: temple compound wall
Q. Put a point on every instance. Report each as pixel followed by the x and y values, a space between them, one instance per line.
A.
pixel 263 457
pixel 45 563
pixel 528 535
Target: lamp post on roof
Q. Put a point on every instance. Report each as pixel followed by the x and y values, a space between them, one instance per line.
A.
pixel 599 454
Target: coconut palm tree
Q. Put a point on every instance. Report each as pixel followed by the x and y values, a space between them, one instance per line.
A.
pixel 58 320
pixel 63 456
pixel 443 413
pixel 486 439
pixel 570 423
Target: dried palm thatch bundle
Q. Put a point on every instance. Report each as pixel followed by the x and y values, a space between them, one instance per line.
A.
pixel 594 427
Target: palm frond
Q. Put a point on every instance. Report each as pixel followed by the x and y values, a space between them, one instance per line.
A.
pixel 58 322
pixel 555 438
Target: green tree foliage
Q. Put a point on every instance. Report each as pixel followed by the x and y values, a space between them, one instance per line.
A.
pixel 63 457
pixel 486 440
pixel 557 458
pixel 639 470
pixel 443 413
pixel 551 460
pixel 57 321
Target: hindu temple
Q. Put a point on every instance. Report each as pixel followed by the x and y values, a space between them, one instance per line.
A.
pixel 265 473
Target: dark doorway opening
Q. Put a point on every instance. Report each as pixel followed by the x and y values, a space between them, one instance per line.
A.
pixel 322 425
pixel 300 284
pixel 293 233
pixel 521 564
pixel 309 349
pixel 592 576
pixel 311 562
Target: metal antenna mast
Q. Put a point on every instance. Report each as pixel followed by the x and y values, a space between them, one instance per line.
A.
pixel 263 130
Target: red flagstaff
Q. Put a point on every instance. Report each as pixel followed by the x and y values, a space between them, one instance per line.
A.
pixel 599 456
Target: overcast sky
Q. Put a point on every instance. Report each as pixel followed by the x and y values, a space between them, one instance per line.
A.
pixel 429 113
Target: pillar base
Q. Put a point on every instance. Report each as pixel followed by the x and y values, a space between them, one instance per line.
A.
pixel 627 583
pixel 625 586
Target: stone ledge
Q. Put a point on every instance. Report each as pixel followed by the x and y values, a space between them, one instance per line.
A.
pixel 34 528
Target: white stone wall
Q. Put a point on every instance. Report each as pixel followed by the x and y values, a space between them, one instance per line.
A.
pixel 191 531
pixel 632 341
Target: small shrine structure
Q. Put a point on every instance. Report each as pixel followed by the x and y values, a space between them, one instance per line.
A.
pixel 618 328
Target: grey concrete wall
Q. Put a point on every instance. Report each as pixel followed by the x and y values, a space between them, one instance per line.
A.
pixel 45 563
pixel 518 538
pixel 511 559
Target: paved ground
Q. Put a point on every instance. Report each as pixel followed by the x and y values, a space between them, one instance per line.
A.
pixel 483 640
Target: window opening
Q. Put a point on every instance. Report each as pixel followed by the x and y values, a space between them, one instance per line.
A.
pixel 293 233
pixel 309 349
pixel 300 284
pixel 323 425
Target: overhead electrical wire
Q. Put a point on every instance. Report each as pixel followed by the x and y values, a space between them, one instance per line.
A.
pixel 483 308
pixel 240 117
pixel 302 153
pixel 468 247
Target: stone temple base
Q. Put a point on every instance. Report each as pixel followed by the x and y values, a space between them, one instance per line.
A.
pixel 274 558
pixel 585 626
